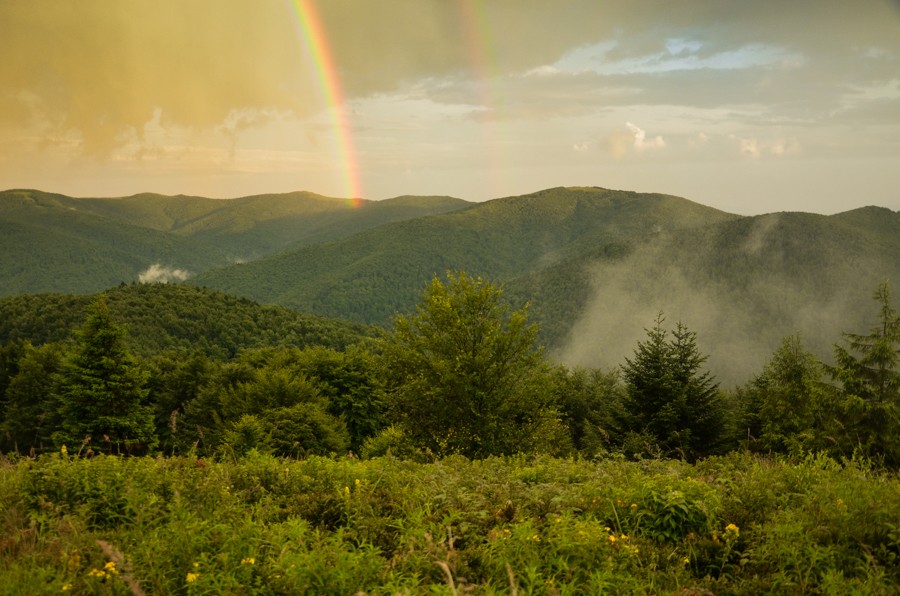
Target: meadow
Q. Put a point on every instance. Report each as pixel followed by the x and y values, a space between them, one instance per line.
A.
pixel 734 524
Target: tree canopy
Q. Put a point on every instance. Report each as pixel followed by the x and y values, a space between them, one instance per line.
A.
pixel 669 399
pixel 465 375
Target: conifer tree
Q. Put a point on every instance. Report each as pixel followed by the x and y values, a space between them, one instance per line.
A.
pixel 869 377
pixel 103 391
pixel 668 397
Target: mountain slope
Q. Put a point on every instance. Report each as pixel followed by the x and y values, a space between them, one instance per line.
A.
pixel 55 243
pixel 742 285
pixel 158 317
pixel 371 275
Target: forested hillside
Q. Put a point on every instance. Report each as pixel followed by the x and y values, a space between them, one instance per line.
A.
pixel 370 276
pixel 593 264
pixel 55 243
pixel 175 438
pixel 161 317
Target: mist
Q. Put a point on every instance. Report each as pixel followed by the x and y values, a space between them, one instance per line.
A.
pixel 157 273
pixel 741 302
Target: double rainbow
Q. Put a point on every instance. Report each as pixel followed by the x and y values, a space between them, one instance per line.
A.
pixel 475 28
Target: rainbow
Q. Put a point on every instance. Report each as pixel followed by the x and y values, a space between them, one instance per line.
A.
pixel 312 35
pixel 475 26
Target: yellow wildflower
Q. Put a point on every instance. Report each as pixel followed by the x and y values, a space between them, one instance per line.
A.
pixel 732 529
pixel 612 538
pixel 686 561
pixel 66 587
pixel 191 577
pixel 248 561
pixel 96 573
pixel 63 450
pixel 633 506
pixel 536 538
pixel 110 568
pixel 347 490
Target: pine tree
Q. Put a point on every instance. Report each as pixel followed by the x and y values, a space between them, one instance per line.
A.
pixel 103 391
pixel 668 398
pixel 869 377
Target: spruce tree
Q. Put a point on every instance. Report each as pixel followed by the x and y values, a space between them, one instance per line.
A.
pixel 869 378
pixel 103 391
pixel 668 397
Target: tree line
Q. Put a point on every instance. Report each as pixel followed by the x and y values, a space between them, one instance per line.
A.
pixel 461 374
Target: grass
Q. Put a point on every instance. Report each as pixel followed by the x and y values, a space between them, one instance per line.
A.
pixel 519 525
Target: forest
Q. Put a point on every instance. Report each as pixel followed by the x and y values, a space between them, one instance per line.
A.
pixel 445 453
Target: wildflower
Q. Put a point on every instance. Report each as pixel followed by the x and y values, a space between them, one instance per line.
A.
pixel 732 529
pixel 248 561
pixel 110 568
pixel 506 531
pixel 196 564
pixel 686 561
pixel 96 573
pixel 634 506
pixel 191 577
pixel 63 450
pixel 346 490
pixel 840 502
pixel 536 538
pixel 612 538
pixel 356 482
pixel 623 536
pixel 66 587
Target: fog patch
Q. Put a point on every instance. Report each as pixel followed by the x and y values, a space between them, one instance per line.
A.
pixel 737 327
pixel 157 273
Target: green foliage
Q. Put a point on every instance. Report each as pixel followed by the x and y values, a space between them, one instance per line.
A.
pixel 869 378
pixel 55 243
pixel 464 375
pixel 162 317
pixel 667 395
pixel 734 525
pixel 31 408
pixel 789 401
pixel 102 393
pixel 590 405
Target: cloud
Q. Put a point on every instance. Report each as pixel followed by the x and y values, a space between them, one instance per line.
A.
pixel 754 148
pixel 631 138
pixel 157 273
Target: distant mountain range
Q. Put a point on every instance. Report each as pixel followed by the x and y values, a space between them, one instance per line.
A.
pixel 595 265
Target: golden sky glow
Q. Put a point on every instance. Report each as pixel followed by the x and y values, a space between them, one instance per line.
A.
pixel 747 106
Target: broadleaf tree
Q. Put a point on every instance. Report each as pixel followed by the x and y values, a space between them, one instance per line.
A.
pixel 465 376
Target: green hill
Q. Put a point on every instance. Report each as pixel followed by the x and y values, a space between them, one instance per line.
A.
pixel 597 266
pixel 741 284
pixel 165 316
pixel 55 243
pixel 370 276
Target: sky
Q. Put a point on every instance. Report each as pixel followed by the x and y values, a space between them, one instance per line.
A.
pixel 749 107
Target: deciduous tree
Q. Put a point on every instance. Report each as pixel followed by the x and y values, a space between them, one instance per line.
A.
pixel 465 375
